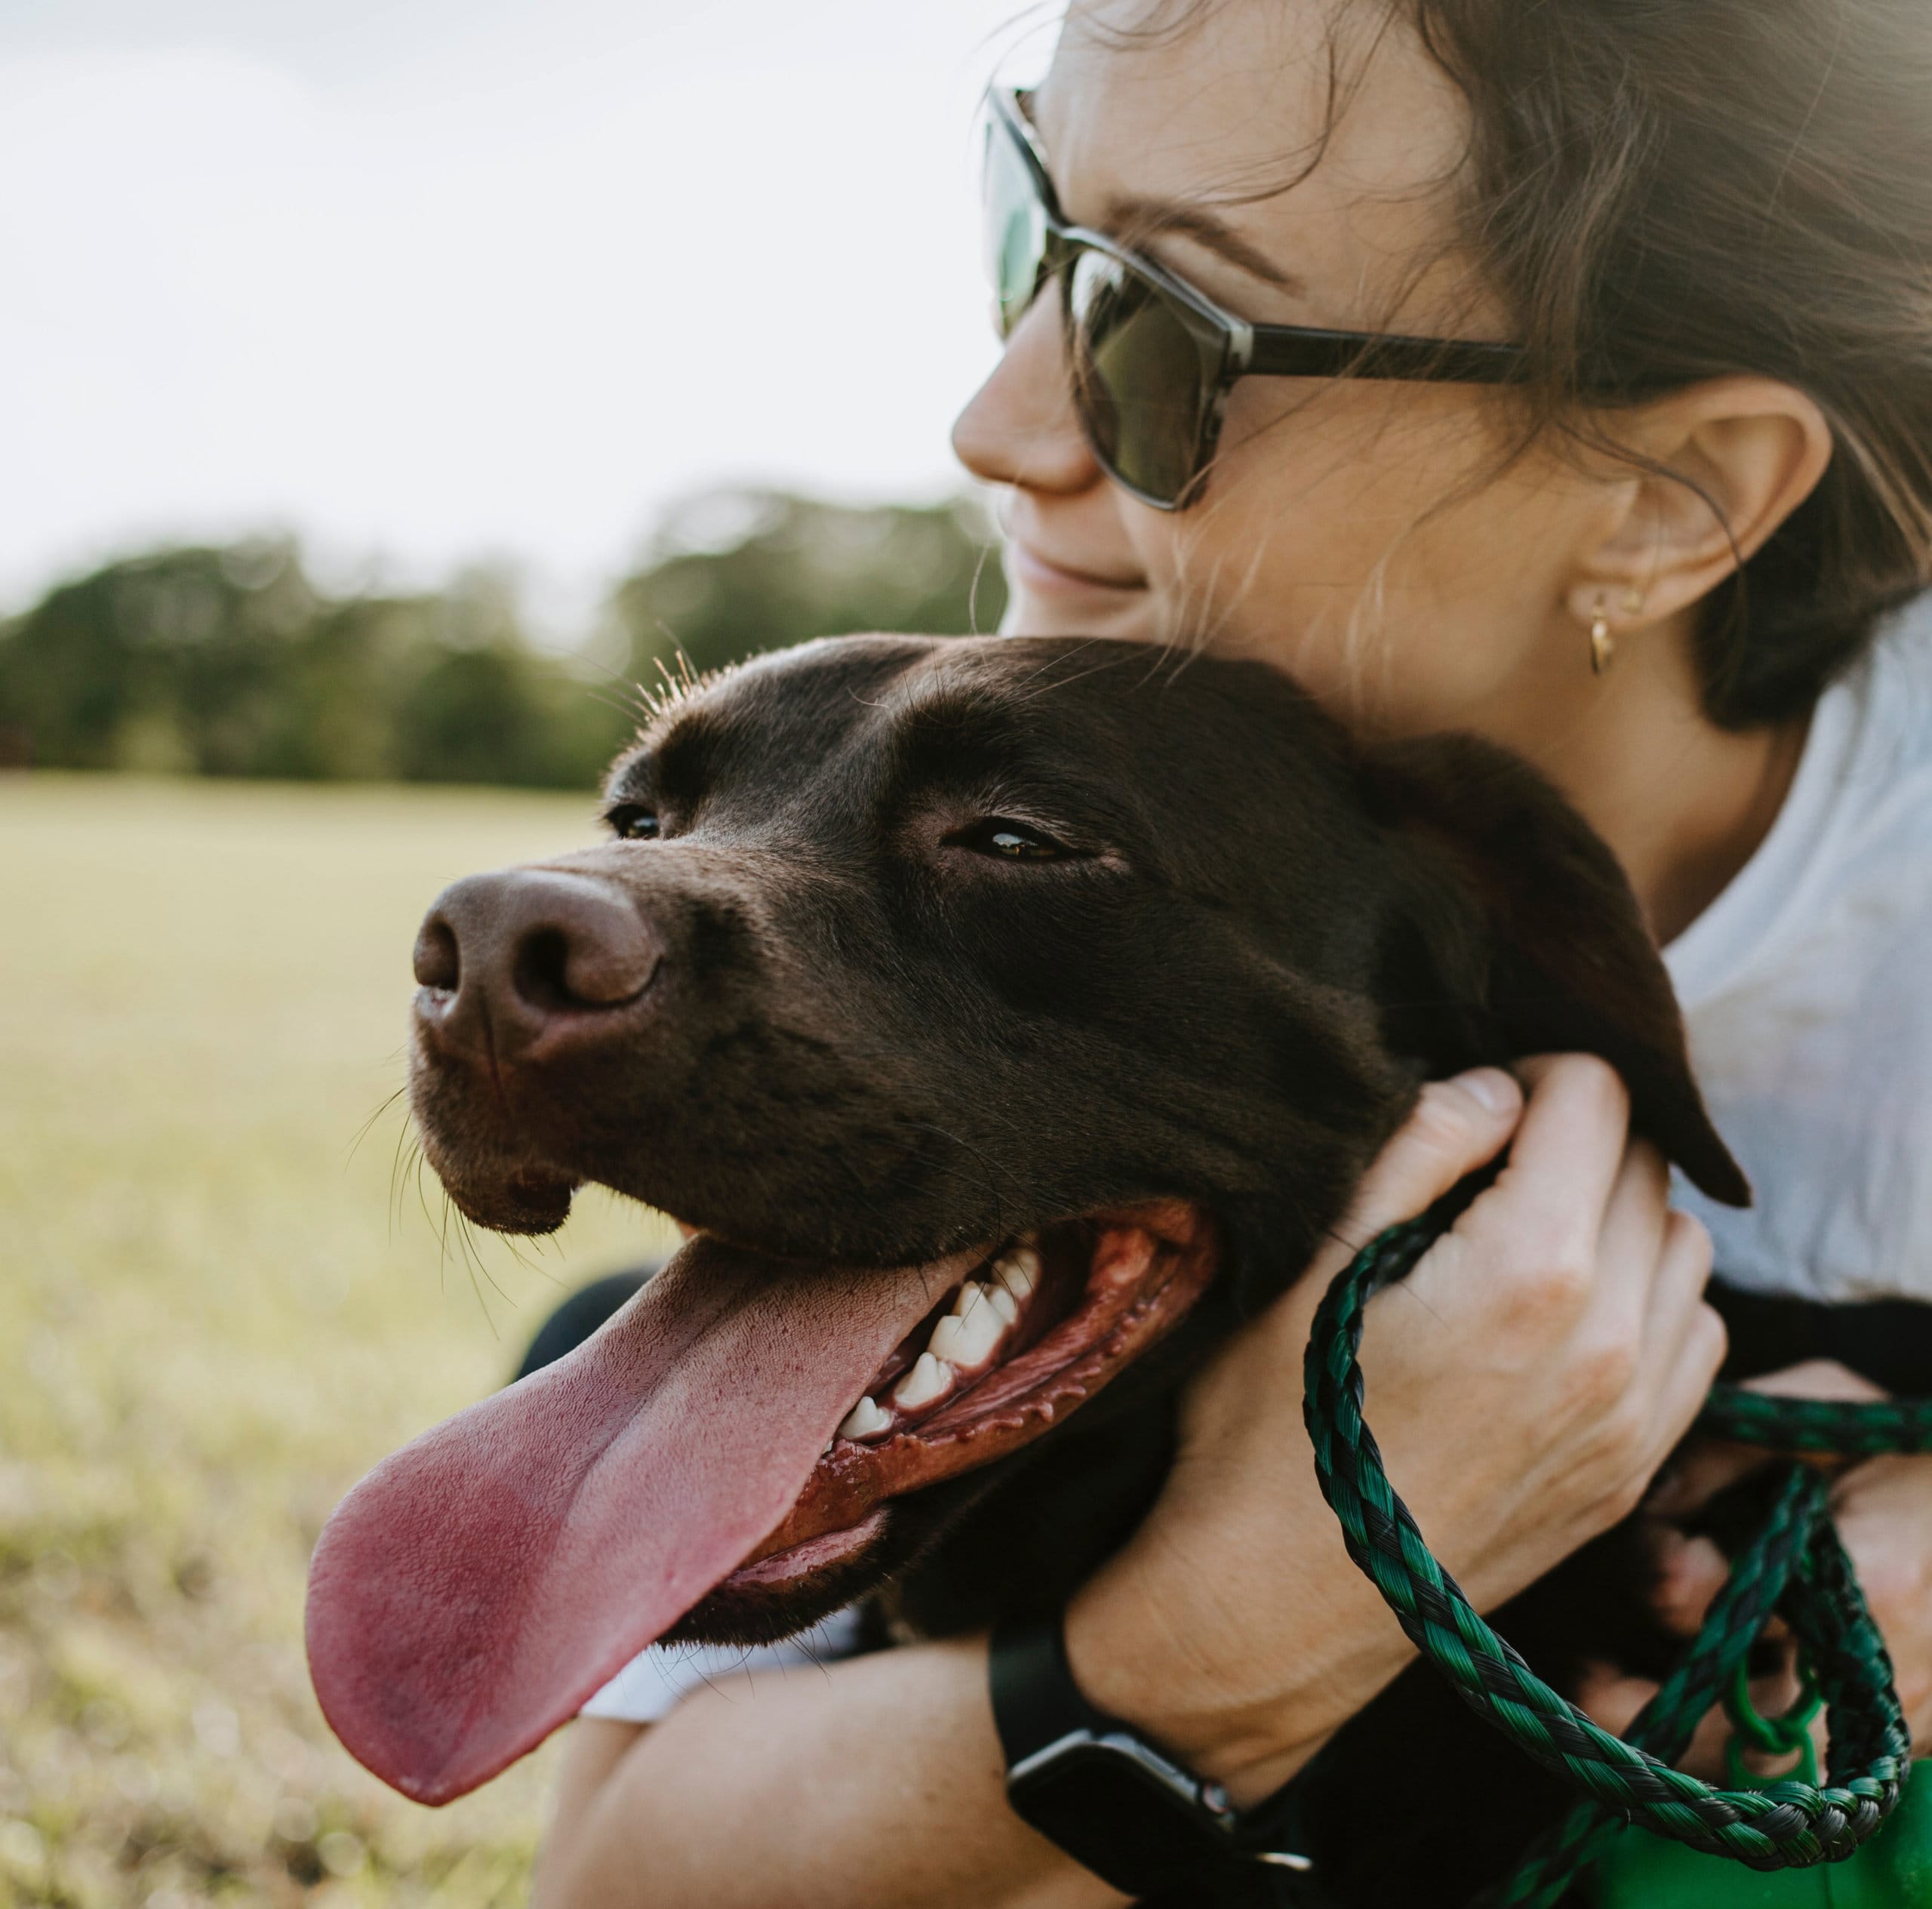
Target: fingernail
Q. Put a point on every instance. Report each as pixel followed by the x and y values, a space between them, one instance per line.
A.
pixel 1490 1088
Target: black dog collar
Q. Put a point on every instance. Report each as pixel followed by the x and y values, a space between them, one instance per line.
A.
pixel 1114 1801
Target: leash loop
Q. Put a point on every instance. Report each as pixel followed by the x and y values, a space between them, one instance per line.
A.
pixel 1795 1568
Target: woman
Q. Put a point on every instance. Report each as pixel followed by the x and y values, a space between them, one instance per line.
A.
pixel 1638 548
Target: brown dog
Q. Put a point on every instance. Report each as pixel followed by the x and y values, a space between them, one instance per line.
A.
pixel 1012 1017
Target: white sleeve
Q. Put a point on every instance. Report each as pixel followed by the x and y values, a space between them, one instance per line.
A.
pixel 651 1685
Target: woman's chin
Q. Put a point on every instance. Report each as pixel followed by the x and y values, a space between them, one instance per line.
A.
pixel 1125 615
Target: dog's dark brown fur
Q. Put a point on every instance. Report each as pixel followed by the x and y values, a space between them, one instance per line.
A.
pixel 867 1039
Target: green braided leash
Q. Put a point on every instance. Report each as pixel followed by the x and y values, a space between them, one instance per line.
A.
pixel 1795 1568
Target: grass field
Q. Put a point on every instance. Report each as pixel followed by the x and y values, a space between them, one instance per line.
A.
pixel 213 1317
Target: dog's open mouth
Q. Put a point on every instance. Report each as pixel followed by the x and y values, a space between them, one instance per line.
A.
pixel 1036 1329
pixel 741 1427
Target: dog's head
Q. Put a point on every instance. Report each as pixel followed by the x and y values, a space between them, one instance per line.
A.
pixel 1008 1016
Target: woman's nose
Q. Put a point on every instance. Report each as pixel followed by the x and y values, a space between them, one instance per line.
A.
pixel 1019 427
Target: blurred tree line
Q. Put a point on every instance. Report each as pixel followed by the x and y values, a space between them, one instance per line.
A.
pixel 231 661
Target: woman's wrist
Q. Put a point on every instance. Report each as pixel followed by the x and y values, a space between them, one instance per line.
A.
pixel 1248 1718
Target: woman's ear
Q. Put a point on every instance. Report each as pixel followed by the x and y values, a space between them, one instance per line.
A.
pixel 1722 465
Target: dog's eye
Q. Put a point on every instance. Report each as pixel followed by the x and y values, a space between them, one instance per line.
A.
pixel 633 822
pixel 1010 842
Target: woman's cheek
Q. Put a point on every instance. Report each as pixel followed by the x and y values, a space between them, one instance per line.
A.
pixel 1323 546
pixel 1308 508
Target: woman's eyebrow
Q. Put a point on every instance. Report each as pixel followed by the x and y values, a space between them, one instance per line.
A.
pixel 1131 219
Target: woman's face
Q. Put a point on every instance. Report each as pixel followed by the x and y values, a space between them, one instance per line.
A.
pixel 1356 534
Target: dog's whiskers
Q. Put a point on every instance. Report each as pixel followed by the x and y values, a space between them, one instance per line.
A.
pixel 363 1131
pixel 471 1261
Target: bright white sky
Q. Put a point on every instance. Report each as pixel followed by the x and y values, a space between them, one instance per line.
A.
pixel 433 281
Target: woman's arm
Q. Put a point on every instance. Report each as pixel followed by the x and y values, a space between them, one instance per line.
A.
pixel 1525 1382
pixel 879 1781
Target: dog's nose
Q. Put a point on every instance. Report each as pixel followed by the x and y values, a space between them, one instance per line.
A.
pixel 509 955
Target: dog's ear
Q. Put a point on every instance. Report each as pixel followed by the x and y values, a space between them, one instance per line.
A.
pixel 1517 933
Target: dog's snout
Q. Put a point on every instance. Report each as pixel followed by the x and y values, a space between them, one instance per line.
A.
pixel 515 952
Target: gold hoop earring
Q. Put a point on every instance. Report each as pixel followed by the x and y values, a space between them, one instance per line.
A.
pixel 1603 645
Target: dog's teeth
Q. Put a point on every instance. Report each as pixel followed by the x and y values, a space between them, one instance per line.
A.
pixel 1019 1271
pixel 969 1341
pixel 866 1420
pixel 926 1381
pixel 973 1295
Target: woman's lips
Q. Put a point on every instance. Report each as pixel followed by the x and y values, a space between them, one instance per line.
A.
pixel 1044 576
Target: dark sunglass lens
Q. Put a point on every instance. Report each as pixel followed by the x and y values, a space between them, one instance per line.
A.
pixel 1016 229
pixel 1139 383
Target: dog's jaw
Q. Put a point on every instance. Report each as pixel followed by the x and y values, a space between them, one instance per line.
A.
pixel 1097 1295
pixel 471 1593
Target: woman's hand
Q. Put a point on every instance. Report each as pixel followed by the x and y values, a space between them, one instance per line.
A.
pixel 1883 1510
pixel 1524 1383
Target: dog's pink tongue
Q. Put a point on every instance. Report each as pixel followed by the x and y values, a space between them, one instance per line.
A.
pixel 473 1590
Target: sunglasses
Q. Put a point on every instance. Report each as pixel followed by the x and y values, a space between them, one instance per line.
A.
pixel 1151 360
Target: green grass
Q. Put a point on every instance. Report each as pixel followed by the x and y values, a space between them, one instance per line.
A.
pixel 215 1314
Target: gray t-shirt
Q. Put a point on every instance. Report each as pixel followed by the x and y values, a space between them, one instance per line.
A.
pixel 1806 988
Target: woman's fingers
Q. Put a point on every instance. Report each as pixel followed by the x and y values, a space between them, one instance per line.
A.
pixel 1457 1125
pixel 1684 1341
pixel 1881 1508
pixel 1697 1474
pixel 1568 1154
pixel 1609 1697
pixel 1622 1346
pixel 1605 1696
pixel 1818 1378
pixel 1539 1232
pixel 1690 1571
pixel 1703 1469
pixel 1636 1226
pixel 1699 1352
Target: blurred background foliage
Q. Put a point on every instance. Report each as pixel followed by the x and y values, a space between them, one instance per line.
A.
pixel 233 662
pixel 227 1284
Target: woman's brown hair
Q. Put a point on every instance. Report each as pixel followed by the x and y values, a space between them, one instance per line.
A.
pixel 1665 191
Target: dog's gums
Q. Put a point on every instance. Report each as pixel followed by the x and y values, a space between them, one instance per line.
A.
pixel 1034 1333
